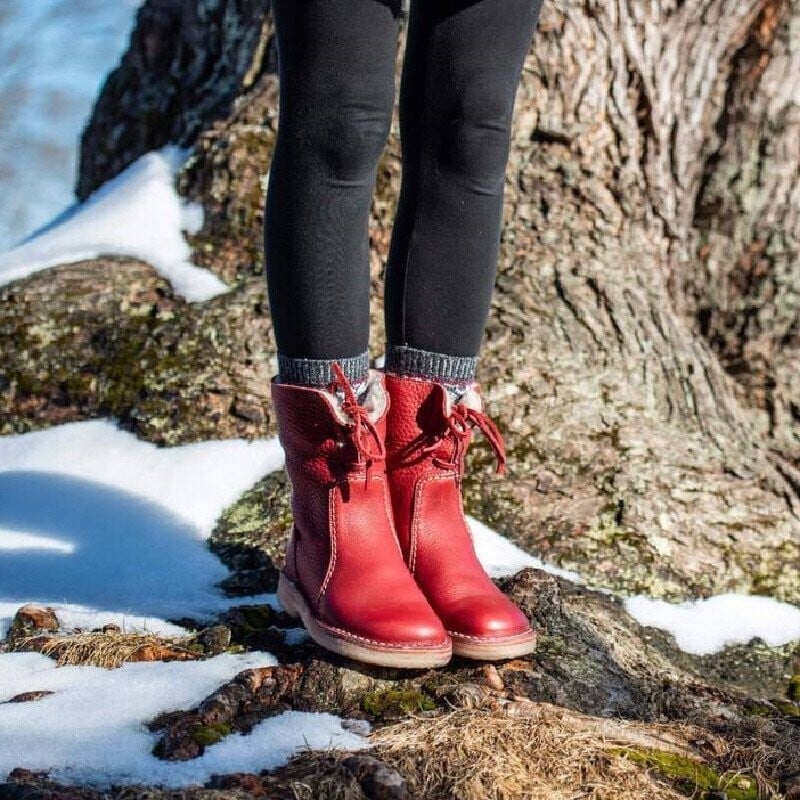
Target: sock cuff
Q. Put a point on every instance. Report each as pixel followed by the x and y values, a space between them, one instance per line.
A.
pixel 319 371
pixel 439 367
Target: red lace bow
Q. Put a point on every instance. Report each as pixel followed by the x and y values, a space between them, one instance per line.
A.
pixel 460 422
pixel 367 442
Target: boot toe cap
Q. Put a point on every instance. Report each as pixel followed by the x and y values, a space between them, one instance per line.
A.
pixel 487 617
pixel 413 625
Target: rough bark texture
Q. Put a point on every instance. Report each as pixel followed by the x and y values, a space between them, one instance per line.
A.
pixel 744 290
pixel 651 467
pixel 185 67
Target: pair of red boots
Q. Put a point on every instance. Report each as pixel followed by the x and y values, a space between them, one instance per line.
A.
pixel 380 566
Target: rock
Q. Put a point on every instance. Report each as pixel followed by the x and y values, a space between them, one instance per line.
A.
pixel 260 628
pixel 464 695
pixel 215 640
pixel 251 696
pixel 250 536
pixel 187 63
pixel 32 620
pixel 377 780
pixel 111 628
pixel 492 679
pixel 29 697
pixel 110 338
pixel 25 785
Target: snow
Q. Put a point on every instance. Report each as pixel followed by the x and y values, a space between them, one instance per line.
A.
pixel 137 214
pixel 500 557
pixel 102 524
pixel 703 627
pixel 72 616
pixel 195 481
pixel 92 730
pixel 110 529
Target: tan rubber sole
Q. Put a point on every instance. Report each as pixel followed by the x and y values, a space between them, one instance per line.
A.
pixel 380 655
pixel 493 649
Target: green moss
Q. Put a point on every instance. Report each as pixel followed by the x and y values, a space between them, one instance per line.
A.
pixel 246 514
pixel 773 709
pixel 206 735
pixel 396 702
pixel 757 708
pixel 788 709
pixel 776 575
pixel 257 617
pixel 693 778
pixel 793 692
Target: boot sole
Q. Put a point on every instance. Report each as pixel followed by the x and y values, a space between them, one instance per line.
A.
pixel 493 649
pixel 387 655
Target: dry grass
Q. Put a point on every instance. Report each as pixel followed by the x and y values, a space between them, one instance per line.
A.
pixel 316 776
pixel 529 752
pixel 105 649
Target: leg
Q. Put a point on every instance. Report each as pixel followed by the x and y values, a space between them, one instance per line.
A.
pixel 336 62
pixel 343 575
pixel 463 63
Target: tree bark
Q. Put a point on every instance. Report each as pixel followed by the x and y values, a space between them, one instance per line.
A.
pixel 651 466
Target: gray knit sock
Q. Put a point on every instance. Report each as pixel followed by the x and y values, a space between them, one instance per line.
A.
pixel 318 372
pixel 454 372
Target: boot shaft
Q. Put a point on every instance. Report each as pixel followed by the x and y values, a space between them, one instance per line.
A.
pixel 344 570
pixel 327 439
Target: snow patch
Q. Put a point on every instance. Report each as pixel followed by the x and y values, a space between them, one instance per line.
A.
pixel 195 481
pixel 92 730
pixel 500 557
pixel 707 626
pixel 71 617
pixel 137 214
pixel 19 540
pixel 110 528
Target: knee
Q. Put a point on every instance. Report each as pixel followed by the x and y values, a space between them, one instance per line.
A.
pixel 474 144
pixel 352 138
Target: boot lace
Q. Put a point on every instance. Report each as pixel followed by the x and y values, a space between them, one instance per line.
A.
pixel 460 423
pixel 364 436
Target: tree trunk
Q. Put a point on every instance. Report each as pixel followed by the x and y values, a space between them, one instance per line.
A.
pixel 649 466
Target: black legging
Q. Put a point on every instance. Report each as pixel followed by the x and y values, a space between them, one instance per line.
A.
pixel 336 58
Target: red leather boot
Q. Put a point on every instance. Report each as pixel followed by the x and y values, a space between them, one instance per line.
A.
pixel 426 440
pixel 344 573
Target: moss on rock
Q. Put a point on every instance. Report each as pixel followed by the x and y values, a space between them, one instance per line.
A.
pixel 393 703
pixel 695 779
pixel 250 536
pixel 110 338
pixel 207 735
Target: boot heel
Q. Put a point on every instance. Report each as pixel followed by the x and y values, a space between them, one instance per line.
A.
pixel 287 597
